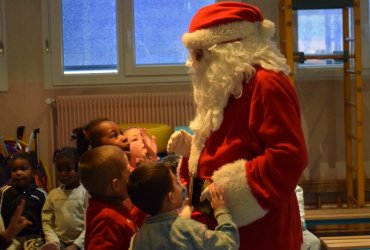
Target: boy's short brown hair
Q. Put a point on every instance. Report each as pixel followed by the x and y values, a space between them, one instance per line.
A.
pixel 99 166
pixel 148 185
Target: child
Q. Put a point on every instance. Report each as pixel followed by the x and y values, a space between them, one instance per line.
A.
pixel 154 189
pixel 142 147
pixel 63 213
pixel 104 173
pixel 98 132
pixel 310 241
pixel 103 131
pixel 23 187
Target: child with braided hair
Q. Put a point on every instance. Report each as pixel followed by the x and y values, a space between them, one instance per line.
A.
pixel 98 132
pixel 135 141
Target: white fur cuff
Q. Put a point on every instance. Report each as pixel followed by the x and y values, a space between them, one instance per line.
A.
pixel 241 203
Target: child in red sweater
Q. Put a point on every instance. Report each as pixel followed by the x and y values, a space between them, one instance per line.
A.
pixel 104 173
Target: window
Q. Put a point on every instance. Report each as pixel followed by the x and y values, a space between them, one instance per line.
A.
pixel 319 32
pixel 3 66
pixel 116 41
pixel 89 42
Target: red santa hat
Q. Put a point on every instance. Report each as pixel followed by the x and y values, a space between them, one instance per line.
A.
pixel 226 22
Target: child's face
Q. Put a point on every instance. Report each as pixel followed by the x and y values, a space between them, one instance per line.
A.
pixel 111 134
pixel 22 173
pixel 66 173
pixel 177 192
pixel 137 146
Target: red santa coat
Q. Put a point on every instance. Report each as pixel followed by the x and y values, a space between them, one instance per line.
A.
pixel 258 155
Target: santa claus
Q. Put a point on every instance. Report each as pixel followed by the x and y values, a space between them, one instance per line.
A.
pixel 247 128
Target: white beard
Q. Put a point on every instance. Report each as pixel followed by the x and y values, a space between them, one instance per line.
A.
pixel 215 79
pixel 210 108
pixel 221 73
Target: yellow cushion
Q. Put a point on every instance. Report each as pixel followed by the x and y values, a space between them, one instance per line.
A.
pixel 162 132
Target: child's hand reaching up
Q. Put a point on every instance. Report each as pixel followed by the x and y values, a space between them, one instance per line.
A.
pixel 150 144
pixel 216 194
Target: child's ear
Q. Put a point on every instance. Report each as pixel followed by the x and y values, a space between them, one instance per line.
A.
pixel 115 185
pixel 171 197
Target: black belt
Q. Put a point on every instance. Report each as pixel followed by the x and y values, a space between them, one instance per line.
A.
pixel 203 206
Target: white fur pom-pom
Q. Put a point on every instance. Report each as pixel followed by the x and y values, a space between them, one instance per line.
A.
pixel 266 29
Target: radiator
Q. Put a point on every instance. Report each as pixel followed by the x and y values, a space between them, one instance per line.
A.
pixel 172 108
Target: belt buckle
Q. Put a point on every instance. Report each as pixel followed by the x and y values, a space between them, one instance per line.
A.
pixel 205 206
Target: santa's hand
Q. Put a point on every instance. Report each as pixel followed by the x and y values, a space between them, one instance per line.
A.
pixel 205 194
pixel 180 143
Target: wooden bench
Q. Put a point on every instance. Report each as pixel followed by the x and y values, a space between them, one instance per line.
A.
pixel 346 242
pixel 338 221
pixel 337 216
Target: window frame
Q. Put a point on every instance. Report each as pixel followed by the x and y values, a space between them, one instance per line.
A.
pixel 3 53
pixel 127 73
pixel 335 72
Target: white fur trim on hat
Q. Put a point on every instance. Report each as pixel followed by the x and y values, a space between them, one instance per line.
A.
pixel 266 29
pixel 204 38
pixel 241 203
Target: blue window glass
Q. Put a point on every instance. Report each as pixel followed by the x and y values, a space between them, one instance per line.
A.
pixel 320 32
pixel 159 26
pixel 89 35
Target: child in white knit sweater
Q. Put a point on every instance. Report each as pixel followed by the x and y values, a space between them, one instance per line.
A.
pixel 64 209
